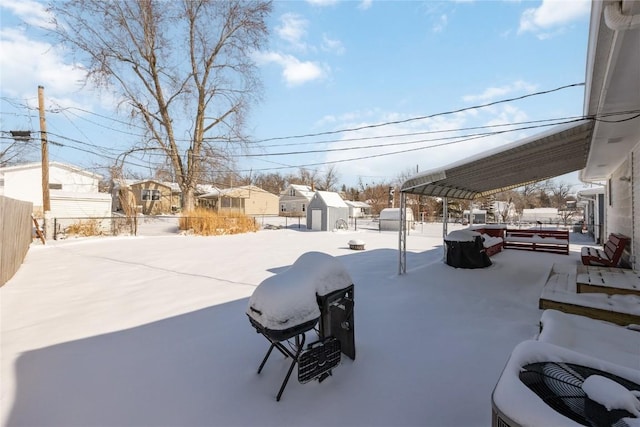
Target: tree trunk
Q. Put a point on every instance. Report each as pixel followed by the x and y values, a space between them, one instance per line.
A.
pixel 188 199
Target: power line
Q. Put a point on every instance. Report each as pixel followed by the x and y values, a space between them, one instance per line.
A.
pixel 430 116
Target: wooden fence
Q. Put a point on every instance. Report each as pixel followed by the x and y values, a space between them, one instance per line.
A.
pixel 16 228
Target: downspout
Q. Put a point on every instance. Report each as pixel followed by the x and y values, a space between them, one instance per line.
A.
pixel 617 20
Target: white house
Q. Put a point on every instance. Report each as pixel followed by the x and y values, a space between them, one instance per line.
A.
pixel 294 200
pixel 72 190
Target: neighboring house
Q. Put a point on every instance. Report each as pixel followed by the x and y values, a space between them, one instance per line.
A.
pixel 73 192
pixel 327 211
pixel 156 198
pixel 249 200
pixel 294 200
pixel 358 209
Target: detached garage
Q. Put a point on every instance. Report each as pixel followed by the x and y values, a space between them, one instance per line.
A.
pixel 327 211
pixel 390 219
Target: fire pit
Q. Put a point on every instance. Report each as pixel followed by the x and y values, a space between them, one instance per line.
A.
pixel 356 245
pixel 286 307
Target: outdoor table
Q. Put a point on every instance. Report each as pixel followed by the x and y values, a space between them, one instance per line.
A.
pixel 607 280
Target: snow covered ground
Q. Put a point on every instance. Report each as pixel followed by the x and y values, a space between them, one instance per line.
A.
pixel 153 331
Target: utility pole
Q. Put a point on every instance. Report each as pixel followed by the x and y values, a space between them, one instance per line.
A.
pixel 46 203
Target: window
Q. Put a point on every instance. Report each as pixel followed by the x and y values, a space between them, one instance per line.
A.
pixel 54 186
pixel 150 194
pixel 303 207
pixel 292 192
pixel 282 208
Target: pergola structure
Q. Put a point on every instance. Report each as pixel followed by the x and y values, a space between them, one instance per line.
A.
pixel 556 152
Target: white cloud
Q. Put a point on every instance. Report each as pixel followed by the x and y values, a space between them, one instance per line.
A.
pixel 365 4
pixel 26 63
pixel 332 45
pixel 322 3
pixel 440 24
pixel 293 29
pixel 294 71
pixel 494 93
pixel 552 16
pixel 31 12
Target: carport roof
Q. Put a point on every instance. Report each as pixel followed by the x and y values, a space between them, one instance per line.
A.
pixel 560 150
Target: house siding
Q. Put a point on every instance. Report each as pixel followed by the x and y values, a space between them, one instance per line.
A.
pixel 619 201
pixel 154 207
pixel 261 202
pixel 24 182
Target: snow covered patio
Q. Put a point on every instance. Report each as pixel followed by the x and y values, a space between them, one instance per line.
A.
pixel 152 331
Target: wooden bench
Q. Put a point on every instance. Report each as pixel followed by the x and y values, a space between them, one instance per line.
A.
pixel 492 237
pixel 610 255
pixel 554 241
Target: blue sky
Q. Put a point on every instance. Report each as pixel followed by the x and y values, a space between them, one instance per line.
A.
pixel 331 66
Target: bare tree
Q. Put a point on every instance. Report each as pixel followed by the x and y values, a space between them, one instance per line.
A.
pixel 304 177
pixel 271 182
pixel 184 68
pixel 559 192
pixel 328 179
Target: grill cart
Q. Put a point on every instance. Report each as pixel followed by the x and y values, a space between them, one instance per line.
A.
pixel 313 298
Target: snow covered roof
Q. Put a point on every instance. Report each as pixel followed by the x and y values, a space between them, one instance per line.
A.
pixel 560 150
pixel 331 199
pixel 243 192
pixel 60 165
pixel 356 204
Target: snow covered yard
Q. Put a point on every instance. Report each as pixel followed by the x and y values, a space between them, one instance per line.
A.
pixel 152 331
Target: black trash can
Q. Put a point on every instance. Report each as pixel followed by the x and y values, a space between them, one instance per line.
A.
pixel 336 318
pixel 467 253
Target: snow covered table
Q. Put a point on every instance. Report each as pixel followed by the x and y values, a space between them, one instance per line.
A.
pixel 596 338
pixel 560 293
pixel 607 280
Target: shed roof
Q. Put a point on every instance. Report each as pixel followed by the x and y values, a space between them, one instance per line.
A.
pixel 558 151
pixel 331 199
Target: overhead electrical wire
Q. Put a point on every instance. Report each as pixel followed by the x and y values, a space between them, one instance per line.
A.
pixel 260 156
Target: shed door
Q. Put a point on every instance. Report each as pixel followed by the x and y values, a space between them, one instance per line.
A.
pixel 316 219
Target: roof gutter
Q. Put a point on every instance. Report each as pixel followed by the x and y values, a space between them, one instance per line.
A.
pixel 617 20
